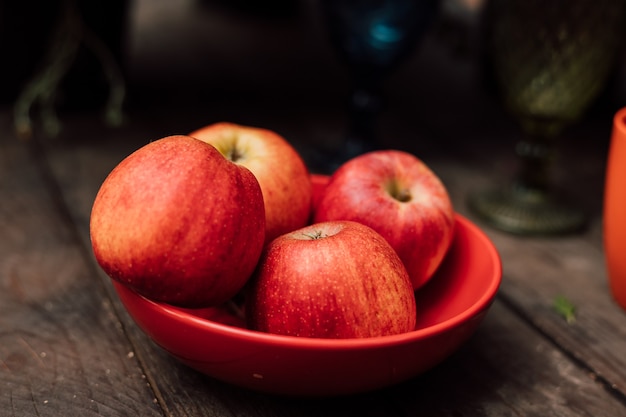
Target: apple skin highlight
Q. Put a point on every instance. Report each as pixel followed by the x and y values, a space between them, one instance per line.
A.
pixel 179 223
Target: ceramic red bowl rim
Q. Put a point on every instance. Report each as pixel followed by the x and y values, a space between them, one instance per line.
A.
pixel 482 303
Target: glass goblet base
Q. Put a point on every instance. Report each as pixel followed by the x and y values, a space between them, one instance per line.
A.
pixel 526 211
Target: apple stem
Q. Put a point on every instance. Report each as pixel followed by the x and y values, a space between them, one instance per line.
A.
pixel 401 194
pixel 234 155
pixel 318 234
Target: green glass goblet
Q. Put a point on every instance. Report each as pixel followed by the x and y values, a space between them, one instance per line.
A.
pixel 550 60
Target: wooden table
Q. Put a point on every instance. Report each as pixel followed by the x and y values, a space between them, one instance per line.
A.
pixel 68 348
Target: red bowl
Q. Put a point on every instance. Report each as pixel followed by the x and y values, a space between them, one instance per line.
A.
pixel 450 307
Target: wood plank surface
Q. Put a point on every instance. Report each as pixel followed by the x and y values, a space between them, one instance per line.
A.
pixel 537 270
pixel 63 350
pixel 514 365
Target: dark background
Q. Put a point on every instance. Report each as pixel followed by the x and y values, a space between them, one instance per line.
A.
pixel 193 55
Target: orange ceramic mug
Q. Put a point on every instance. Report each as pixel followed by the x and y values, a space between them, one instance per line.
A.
pixel 615 209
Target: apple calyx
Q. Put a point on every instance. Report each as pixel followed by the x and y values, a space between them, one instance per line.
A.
pixel 230 146
pixel 232 151
pixel 234 155
pixel 398 192
pixel 317 234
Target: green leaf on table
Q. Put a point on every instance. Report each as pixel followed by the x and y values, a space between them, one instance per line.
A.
pixel 565 308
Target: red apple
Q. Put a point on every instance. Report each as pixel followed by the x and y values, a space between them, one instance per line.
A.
pixel 400 197
pixel 280 170
pixel 331 280
pixel 318 183
pixel 179 223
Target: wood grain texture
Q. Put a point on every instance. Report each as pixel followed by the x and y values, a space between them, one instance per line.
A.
pixel 537 270
pixel 63 351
